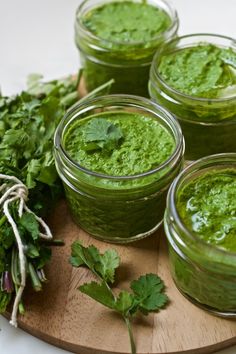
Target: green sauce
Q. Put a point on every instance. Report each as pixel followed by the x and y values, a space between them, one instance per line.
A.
pixel 205 71
pixel 204 265
pixel 144 145
pixel 125 36
pixel 198 85
pixel 118 144
pixel 207 206
pixel 126 21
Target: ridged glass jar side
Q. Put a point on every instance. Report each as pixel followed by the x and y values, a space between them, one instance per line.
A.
pixel 204 273
pixel 208 125
pixel 125 208
pixel 128 63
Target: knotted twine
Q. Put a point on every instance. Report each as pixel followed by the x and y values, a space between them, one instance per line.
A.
pixel 14 191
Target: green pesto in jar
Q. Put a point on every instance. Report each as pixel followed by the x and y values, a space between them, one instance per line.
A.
pixel 114 144
pixel 207 207
pixel 197 84
pixel 127 21
pixel 205 71
pixel 119 143
pixel 117 40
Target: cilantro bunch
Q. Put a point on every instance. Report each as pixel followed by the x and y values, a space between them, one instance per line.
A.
pixel 146 295
pixel 27 126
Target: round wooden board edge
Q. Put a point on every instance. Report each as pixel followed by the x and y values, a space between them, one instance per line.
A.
pixel 87 350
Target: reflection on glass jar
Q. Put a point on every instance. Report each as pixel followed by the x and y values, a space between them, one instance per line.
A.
pixel 117 40
pixel 116 184
pixel 200 225
pixel 194 77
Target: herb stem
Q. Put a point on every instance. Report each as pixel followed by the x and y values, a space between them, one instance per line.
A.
pixel 131 337
pixel 53 242
pixel 34 278
pixel 97 90
pixel 21 306
pixel 109 288
pixel 15 267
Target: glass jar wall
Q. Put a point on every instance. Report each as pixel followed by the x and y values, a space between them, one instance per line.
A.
pixel 126 59
pixel 208 124
pixel 118 208
pixel 203 266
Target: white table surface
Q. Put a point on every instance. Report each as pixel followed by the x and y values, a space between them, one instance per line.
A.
pixel 37 36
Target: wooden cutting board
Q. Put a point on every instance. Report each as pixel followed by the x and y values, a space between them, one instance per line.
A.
pixel 63 316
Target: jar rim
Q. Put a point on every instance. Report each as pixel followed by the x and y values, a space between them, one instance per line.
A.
pixel 203 163
pixel 172 28
pixel 156 60
pixel 127 100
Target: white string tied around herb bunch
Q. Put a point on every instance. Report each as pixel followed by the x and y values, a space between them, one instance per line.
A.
pixel 13 192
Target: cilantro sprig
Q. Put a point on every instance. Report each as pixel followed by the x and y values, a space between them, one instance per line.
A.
pixel 101 134
pixel 146 295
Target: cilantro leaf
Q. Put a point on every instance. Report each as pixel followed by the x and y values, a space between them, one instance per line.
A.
pixel 102 134
pixel 32 251
pixel 86 256
pixel 124 302
pixel 29 222
pixel 44 257
pixel 99 292
pixel 7 237
pixel 146 285
pixel 108 262
pixel 147 293
pixel 102 265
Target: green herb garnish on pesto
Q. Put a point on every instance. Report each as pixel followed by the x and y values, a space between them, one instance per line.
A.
pixel 204 71
pixel 102 134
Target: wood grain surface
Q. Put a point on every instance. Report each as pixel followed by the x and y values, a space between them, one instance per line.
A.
pixel 63 316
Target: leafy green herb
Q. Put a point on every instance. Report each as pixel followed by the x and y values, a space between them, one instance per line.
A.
pixel 102 134
pixel 27 126
pixel 29 222
pixel 147 292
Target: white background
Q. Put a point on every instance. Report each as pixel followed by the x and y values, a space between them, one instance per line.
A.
pixel 37 36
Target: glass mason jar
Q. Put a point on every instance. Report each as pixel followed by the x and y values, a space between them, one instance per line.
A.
pixel 208 125
pixel 128 63
pixel 125 208
pixel 204 273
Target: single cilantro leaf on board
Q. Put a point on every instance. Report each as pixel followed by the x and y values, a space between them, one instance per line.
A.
pixel 124 302
pixel 102 134
pixel 148 293
pixel 99 292
pixel 107 265
pixel 86 256
pixel 102 265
